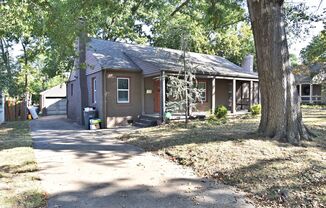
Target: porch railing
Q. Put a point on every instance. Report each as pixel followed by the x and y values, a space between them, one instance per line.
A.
pixel 314 99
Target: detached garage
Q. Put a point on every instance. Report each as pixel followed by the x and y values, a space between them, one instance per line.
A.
pixel 53 101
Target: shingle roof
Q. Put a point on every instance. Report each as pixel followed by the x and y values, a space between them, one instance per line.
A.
pixel 56 91
pixel 314 74
pixel 150 60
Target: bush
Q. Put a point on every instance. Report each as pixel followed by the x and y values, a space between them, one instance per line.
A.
pixel 255 109
pixel 221 111
pixel 215 121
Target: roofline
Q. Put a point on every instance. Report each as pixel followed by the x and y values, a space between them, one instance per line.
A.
pixel 212 75
pixel 123 70
pixel 45 91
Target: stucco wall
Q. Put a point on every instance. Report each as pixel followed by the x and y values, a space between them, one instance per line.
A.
pixel 223 92
pixel 73 101
pixel 120 113
pixel 316 90
pixel 99 93
pixel 323 94
pixel 256 98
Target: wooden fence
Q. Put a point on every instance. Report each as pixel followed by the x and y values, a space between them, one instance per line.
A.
pixel 15 110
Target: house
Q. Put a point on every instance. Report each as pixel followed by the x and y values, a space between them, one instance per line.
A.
pixel 2 107
pixel 126 81
pixel 311 84
pixel 53 101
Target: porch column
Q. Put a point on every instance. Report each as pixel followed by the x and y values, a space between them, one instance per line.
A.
pixel 213 95
pixel 251 86
pixel 300 92
pixel 142 83
pixel 234 92
pixel 310 95
pixel 162 92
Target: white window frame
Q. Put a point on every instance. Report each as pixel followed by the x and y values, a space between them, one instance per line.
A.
pixel 204 100
pixel 123 90
pixel 94 90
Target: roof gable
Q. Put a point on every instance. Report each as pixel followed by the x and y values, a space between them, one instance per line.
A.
pixel 150 60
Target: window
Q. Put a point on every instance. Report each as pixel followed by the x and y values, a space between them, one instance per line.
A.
pixel 93 90
pixel 202 88
pixel 123 90
pixel 72 89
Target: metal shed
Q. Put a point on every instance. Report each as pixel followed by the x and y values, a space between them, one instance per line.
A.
pixel 53 101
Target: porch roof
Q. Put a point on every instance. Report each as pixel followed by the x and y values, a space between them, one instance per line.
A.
pixel 152 60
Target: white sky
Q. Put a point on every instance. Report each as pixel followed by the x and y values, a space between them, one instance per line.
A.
pixel 294 48
pixel 298 45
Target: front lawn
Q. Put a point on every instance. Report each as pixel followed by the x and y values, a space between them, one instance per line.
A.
pixel 19 184
pixel 273 174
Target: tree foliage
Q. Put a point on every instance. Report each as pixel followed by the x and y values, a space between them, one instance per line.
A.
pixel 315 52
pixel 49 29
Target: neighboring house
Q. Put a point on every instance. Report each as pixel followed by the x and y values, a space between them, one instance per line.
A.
pixel 53 101
pixel 2 108
pixel 126 81
pixel 311 84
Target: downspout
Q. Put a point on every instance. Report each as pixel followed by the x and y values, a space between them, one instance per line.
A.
pixel 104 99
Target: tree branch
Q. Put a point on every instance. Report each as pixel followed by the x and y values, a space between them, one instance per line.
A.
pixel 232 23
pixel 179 7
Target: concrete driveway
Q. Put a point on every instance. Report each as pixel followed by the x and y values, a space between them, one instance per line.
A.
pixel 81 168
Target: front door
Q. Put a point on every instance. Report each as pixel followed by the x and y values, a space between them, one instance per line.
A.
pixel 157 96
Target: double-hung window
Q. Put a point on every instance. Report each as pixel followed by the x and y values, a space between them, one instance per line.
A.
pixel 123 90
pixel 94 90
pixel 202 88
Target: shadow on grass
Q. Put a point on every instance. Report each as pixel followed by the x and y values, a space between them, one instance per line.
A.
pixel 277 180
pixel 176 194
pixel 170 136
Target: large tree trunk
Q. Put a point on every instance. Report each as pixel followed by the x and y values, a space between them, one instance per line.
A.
pixel 281 114
pixel 82 39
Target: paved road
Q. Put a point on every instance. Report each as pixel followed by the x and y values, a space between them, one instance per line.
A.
pixel 80 168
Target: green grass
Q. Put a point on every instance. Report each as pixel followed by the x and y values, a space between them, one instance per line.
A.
pixel 19 183
pixel 273 174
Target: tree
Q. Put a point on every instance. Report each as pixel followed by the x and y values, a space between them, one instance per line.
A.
pixel 281 114
pixel 315 52
pixel 183 90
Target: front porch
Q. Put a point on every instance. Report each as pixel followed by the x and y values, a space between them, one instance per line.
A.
pixel 310 93
pixel 235 93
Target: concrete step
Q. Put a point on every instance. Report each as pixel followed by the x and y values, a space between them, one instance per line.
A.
pixel 146 121
pixel 142 125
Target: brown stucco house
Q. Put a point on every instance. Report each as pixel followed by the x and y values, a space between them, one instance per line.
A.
pixel 126 81
pixel 311 83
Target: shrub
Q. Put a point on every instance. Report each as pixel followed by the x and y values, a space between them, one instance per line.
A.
pixel 221 111
pixel 255 109
pixel 215 121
